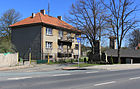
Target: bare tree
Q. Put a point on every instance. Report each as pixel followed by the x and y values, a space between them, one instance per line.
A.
pixel 88 16
pixel 134 38
pixel 121 20
pixel 9 17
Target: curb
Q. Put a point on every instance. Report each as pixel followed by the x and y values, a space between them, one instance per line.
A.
pixel 14 68
pixel 73 68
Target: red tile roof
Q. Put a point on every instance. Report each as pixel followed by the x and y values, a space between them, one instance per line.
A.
pixel 49 20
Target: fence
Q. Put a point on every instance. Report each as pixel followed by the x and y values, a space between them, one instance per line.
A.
pixel 8 59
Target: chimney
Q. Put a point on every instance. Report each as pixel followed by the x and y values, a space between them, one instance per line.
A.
pixel 42 11
pixel 112 42
pixel 59 17
pixel 33 15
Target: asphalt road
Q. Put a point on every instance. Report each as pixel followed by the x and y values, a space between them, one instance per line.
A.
pixel 81 79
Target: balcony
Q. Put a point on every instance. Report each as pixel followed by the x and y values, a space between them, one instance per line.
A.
pixel 64 51
pixel 66 39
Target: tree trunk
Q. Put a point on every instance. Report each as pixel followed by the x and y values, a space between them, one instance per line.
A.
pixel 100 54
pixel 119 59
pixel 90 55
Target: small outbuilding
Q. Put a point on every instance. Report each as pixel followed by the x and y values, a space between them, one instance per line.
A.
pixel 127 56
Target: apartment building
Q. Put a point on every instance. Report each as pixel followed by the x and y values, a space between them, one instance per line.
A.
pixel 44 35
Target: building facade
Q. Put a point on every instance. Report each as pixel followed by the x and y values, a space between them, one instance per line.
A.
pixel 44 36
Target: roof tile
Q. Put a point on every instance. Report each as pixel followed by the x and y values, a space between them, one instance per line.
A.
pixel 40 18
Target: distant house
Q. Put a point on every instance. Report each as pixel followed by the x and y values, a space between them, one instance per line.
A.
pixel 42 35
pixel 126 55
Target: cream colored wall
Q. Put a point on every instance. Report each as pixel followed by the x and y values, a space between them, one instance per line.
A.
pixel 54 38
pixel 75 52
pixel 64 34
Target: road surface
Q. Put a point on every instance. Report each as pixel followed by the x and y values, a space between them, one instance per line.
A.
pixel 78 79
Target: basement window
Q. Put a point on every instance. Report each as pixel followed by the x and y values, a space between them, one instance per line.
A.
pixel 50 56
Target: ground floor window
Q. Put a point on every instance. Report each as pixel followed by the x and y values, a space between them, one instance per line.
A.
pixel 48 44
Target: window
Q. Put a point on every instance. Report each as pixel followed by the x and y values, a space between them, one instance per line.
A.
pixel 76 36
pixel 48 31
pixel 76 46
pixel 60 33
pixel 48 44
pixel 68 34
pixel 60 47
pixel 69 47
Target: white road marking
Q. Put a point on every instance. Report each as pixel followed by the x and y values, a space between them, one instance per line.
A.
pixel 93 72
pixel 61 74
pixel 18 78
pixel 105 83
pixel 134 78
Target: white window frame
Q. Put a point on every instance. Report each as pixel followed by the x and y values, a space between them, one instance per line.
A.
pixel 48 31
pixel 68 34
pixel 48 44
pixel 60 33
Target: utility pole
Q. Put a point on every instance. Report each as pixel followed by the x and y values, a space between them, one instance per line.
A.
pixel 78 54
pixel 79 41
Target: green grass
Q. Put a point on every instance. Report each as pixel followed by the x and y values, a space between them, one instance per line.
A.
pixel 84 65
pixel 76 60
pixel 51 63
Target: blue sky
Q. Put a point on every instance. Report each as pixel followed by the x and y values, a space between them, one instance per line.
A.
pixel 27 7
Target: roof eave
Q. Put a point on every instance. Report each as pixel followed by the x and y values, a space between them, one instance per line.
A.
pixel 23 25
pixel 11 26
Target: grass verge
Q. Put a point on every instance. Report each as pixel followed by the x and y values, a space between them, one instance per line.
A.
pixel 51 63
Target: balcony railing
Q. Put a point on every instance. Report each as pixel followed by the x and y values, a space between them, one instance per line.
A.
pixel 65 50
pixel 69 39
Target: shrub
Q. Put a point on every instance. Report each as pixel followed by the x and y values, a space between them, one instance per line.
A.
pixel 6 46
